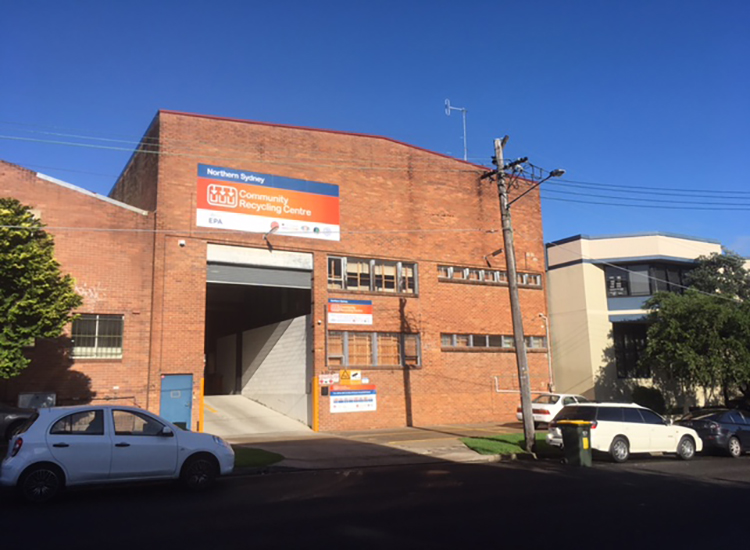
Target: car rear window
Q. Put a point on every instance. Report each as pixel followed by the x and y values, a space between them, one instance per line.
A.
pixel 27 423
pixel 613 414
pixel 574 412
pixel 704 415
pixel 546 399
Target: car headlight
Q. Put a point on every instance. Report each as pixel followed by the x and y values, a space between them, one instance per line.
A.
pixel 221 442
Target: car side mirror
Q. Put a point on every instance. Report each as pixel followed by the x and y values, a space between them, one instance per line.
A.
pixel 668 422
pixel 166 432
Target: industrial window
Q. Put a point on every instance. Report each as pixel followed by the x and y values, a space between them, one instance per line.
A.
pixel 630 341
pixel 372 275
pixel 479 341
pixel 97 336
pixel 373 349
pixel 486 276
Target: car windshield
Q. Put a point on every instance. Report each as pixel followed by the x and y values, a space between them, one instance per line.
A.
pixel 547 399
pixel 574 412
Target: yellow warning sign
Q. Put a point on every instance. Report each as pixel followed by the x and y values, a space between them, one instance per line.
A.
pixel 350 377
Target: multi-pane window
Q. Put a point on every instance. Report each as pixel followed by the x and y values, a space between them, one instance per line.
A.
pixel 487 276
pixel 645 279
pixel 97 336
pixel 372 349
pixel 489 341
pixel 372 275
pixel 630 341
pixel 357 274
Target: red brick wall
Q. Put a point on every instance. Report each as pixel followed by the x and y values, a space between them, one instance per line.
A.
pixel 397 202
pixel 108 250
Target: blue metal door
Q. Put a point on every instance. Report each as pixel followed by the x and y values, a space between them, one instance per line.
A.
pixel 177 398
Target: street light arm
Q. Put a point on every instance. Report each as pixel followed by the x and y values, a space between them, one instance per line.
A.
pixel 553 174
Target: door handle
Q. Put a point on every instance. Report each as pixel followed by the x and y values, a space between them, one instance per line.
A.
pixel 60 445
pixel 122 444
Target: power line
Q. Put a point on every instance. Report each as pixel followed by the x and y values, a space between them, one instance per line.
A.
pixel 743 195
pixel 675 189
pixel 639 199
pixel 653 206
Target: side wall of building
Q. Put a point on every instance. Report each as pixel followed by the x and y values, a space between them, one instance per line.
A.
pixel 108 249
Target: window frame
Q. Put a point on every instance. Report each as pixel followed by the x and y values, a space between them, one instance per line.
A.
pixel 406 360
pixel 484 342
pixel 662 277
pixel 406 276
pixel 97 351
pixel 628 349
pixel 485 276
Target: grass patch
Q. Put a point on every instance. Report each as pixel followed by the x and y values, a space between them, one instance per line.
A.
pixel 245 457
pixel 507 444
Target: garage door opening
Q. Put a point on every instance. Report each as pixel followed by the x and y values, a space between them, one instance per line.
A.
pixel 258 341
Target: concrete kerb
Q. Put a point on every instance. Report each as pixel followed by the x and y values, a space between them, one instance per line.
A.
pixel 375 448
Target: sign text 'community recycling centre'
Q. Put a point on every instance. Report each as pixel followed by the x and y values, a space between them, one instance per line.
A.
pixel 260 203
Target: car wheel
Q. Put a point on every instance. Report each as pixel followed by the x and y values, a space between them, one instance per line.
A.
pixel 619 450
pixel 199 472
pixel 41 483
pixel 734 447
pixel 686 448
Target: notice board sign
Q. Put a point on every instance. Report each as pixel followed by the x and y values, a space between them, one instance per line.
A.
pixel 349 312
pixel 348 399
pixel 239 200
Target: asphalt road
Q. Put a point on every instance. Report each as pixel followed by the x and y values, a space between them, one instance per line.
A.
pixel 642 504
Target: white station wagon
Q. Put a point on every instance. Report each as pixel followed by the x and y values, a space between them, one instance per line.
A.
pixel 60 447
pixel 621 429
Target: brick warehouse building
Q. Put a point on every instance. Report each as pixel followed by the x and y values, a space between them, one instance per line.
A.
pixel 270 261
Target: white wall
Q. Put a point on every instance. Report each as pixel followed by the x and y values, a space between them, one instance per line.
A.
pixel 276 367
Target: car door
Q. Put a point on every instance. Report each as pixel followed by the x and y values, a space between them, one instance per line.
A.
pixel 635 429
pixel 735 423
pixel 662 436
pixel 139 447
pixel 80 444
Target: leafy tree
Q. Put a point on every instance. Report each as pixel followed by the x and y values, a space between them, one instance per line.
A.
pixel 702 337
pixel 36 299
pixel 723 274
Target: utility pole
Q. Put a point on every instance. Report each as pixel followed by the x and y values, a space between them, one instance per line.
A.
pixel 515 306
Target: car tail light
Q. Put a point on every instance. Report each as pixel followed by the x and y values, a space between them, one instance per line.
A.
pixel 541 411
pixel 519 409
pixel 16 446
pixel 594 424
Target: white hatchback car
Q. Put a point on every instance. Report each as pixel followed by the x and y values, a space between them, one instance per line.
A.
pixel 60 447
pixel 547 405
pixel 623 428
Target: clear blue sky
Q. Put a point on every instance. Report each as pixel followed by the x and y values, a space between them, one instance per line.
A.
pixel 638 98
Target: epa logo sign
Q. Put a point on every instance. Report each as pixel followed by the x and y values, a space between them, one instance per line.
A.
pixel 222 195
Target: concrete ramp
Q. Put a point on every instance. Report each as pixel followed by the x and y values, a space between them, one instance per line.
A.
pixel 236 416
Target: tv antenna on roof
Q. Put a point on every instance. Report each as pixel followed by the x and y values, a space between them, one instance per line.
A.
pixel 448 109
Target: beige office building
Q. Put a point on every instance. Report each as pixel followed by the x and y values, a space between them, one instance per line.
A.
pixel 597 287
